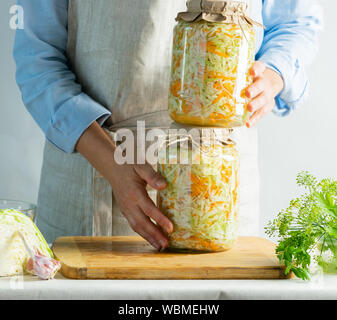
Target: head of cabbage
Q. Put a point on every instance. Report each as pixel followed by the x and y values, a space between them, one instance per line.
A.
pixel 13 254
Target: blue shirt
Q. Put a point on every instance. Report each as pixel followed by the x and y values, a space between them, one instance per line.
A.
pixel 56 101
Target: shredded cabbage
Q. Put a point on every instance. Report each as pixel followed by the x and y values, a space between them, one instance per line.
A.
pixel 210 72
pixel 201 200
pixel 13 253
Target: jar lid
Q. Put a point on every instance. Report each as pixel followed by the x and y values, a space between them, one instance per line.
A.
pixel 217 11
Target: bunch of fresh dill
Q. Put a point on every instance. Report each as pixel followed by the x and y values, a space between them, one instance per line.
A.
pixel 307 229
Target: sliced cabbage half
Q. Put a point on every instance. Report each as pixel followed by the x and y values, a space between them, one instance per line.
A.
pixel 13 254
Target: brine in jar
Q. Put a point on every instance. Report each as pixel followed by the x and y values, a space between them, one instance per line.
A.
pixel 201 197
pixel 210 73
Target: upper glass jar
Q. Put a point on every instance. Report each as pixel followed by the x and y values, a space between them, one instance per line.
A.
pixel 201 197
pixel 213 52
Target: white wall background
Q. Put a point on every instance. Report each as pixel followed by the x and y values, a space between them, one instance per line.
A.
pixel 21 142
pixel 304 140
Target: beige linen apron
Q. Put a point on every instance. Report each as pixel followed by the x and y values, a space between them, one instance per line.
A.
pixel 120 51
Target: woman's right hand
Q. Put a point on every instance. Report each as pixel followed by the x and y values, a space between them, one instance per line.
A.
pixel 129 187
pixel 128 183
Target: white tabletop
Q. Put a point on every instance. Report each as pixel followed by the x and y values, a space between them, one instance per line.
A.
pixel 30 287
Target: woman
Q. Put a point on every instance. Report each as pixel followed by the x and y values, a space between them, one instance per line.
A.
pixel 86 64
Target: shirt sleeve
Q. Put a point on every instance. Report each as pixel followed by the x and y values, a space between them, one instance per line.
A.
pixel 289 46
pixel 48 87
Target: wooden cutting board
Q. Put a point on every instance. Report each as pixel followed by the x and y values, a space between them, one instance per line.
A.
pixel 133 258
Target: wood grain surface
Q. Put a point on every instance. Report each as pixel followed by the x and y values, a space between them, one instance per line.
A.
pixel 133 258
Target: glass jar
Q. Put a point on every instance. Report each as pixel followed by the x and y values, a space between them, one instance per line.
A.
pixel 26 208
pixel 210 71
pixel 201 197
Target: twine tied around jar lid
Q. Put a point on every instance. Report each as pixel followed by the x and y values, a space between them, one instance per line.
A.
pixel 200 135
pixel 218 11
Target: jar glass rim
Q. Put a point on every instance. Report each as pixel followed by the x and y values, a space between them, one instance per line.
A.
pixel 16 205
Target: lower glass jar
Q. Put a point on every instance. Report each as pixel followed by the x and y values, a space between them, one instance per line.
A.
pixel 201 197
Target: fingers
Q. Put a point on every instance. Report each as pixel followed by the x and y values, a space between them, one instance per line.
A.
pixel 153 178
pixel 258 115
pixel 149 208
pixel 257 103
pixel 258 69
pixel 146 229
pixel 255 118
pixel 255 89
pixel 260 93
pixel 138 208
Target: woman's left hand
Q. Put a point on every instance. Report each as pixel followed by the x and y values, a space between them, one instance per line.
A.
pixel 266 86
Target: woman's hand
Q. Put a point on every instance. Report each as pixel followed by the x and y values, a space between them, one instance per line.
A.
pixel 128 183
pixel 129 186
pixel 266 86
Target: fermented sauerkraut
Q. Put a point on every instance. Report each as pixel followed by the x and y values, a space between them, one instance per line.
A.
pixel 210 73
pixel 201 197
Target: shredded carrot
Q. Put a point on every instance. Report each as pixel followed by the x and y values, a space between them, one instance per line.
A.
pixel 220 96
pixel 177 64
pixel 176 86
pixel 186 108
pixel 212 48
